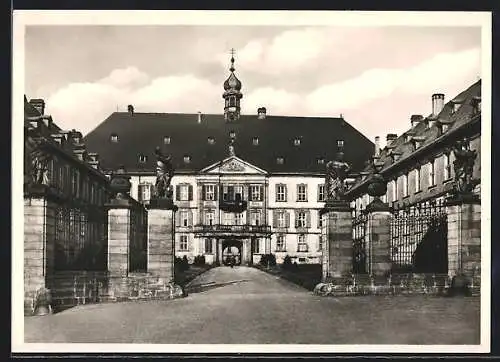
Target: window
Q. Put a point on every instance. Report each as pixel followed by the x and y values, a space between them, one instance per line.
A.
pixel 255 218
pixel 255 141
pixel 281 219
pixel 256 192
pixel 340 143
pixel 183 245
pixel 184 218
pixel 232 192
pixel 209 218
pixel 187 159
pixel 144 192
pixel 232 134
pixel 321 193
pixel 320 242
pixel 281 192
pixel 238 218
pixel 280 243
pixel 320 220
pixel 280 160
pixel 232 101
pixel 166 140
pixel 395 190
pixel 447 166
pixel 405 185
pixel 143 158
pixel 296 142
pixel 302 244
pixel 432 175
pixel 114 138
pixel 255 246
pixel 321 161
pixel 210 192
pixel 228 218
pixel 417 179
pixel 208 246
pixel 184 192
pixel 301 220
pixel 211 140
pixel 302 192
pixel 75 183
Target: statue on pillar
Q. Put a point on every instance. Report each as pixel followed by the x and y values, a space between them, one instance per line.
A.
pixel 336 173
pixel 39 168
pixel 164 174
pixel 464 166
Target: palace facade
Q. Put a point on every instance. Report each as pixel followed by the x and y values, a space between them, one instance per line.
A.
pixel 244 184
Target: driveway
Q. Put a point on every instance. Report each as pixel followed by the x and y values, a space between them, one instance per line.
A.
pixel 248 306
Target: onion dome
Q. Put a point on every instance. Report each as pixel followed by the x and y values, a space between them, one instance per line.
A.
pixel 232 83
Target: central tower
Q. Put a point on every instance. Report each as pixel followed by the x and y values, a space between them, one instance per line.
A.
pixel 232 95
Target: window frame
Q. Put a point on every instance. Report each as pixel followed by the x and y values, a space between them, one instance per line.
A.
pixel 302 196
pixel 301 242
pixel 418 182
pixel 183 241
pixel 283 193
pixel 301 222
pixel 280 243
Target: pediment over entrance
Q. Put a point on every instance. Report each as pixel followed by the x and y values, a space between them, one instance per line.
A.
pixel 233 165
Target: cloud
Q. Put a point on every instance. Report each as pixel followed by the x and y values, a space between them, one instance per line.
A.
pixel 377 91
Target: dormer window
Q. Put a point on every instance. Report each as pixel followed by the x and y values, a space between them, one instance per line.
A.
pixel 143 158
pixel 280 160
pixel 456 105
pixel 166 140
pixel 114 138
pixel 187 159
pixel 321 161
pixel 232 134
pixel 296 142
pixel 255 141
pixel 340 143
pixel 211 140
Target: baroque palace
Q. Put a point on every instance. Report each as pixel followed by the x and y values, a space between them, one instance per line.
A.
pixel 244 184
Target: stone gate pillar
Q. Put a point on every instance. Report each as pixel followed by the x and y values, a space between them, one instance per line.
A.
pixel 161 239
pixel 119 212
pixel 464 238
pixel 39 243
pixel 379 240
pixel 337 251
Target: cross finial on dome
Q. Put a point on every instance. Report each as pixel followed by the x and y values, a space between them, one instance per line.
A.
pixel 232 59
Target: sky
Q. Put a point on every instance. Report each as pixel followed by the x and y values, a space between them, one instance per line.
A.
pixel 376 77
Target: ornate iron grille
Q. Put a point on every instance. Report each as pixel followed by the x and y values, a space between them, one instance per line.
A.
pixel 359 257
pixel 419 238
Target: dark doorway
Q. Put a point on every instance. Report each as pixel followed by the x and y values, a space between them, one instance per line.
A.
pixel 231 249
pixel 431 255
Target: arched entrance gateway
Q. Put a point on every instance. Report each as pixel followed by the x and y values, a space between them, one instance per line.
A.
pixel 232 248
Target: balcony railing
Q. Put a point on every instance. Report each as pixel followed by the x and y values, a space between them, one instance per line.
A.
pixel 232 229
pixel 236 206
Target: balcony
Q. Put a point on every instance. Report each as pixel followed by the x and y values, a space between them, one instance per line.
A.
pixel 232 230
pixel 235 206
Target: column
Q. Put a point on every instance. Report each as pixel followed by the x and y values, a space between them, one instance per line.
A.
pixel 464 238
pixel 379 241
pixel 118 247
pixel 339 241
pixel 219 251
pixel 161 239
pixel 39 245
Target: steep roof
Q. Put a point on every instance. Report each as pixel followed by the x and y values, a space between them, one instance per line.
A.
pixel 140 133
pixel 428 135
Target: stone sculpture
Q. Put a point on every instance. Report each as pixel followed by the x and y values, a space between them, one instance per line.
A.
pixel 464 166
pixel 164 174
pixel 336 173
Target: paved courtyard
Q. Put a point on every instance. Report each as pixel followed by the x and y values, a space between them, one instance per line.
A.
pixel 257 308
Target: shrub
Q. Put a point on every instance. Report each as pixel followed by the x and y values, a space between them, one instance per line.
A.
pixel 268 259
pixel 287 262
pixel 199 260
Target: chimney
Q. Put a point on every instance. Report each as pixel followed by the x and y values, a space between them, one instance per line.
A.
pixel 416 119
pixel 261 113
pixel 199 117
pixel 391 137
pixel 39 104
pixel 130 109
pixel 437 103
pixel 377 146
pixel 75 136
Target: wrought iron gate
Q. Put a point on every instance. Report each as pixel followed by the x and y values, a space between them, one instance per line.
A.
pixel 419 238
pixel 359 256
